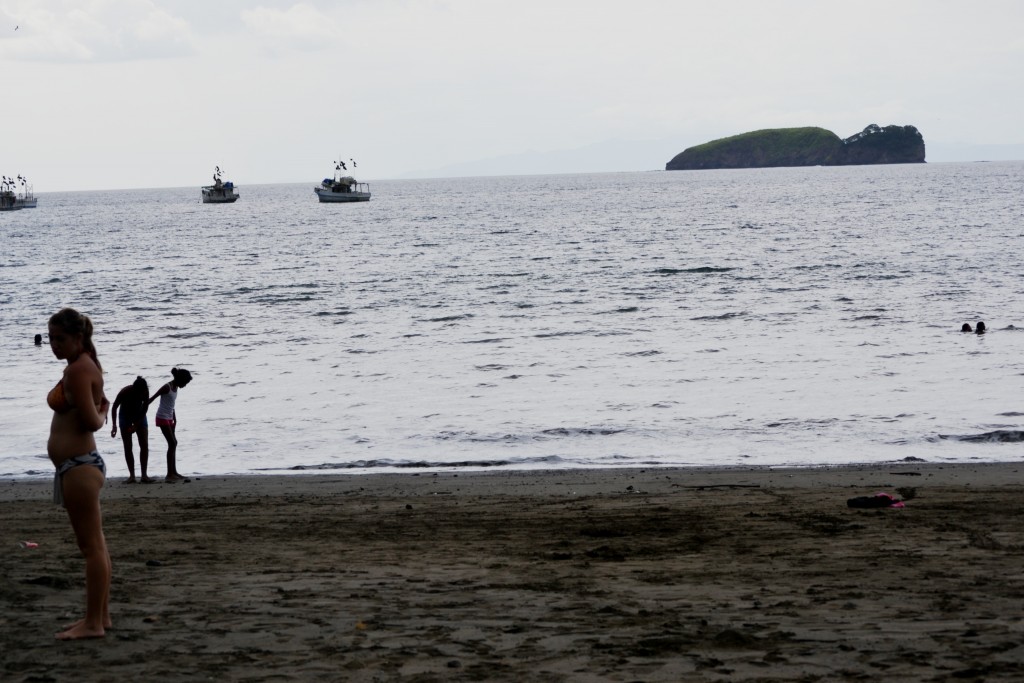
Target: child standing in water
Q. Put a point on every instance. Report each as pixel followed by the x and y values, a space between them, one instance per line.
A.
pixel 132 401
pixel 167 420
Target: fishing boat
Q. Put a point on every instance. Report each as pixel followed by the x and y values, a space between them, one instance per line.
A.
pixel 342 188
pixel 220 192
pixel 8 200
pixel 27 199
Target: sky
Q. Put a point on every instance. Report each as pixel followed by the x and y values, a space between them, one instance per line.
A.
pixel 108 94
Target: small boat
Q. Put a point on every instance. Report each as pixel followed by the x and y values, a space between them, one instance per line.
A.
pixel 342 188
pixel 12 202
pixel 220 192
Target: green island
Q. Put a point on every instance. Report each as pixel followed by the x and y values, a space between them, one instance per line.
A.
pixel 809 146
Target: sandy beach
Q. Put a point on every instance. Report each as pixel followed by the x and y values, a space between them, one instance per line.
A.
pixel 593 575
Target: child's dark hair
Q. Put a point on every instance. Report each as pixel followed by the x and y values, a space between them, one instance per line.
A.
pixel 141 387
pixel 181 376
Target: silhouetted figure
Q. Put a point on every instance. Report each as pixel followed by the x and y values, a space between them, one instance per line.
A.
pixel 966 328
pixel 39 340
pixel 132 401
pixel 979 328
pixel 167 418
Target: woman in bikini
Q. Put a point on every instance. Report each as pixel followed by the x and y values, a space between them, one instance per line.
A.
pixel 132 401
pixel 79 410
pixel 167 419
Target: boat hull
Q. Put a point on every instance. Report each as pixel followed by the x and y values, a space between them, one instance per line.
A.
pixel 219 196
pixel 328 197
pixel 29 203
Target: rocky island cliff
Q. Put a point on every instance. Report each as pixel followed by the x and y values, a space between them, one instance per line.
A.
pixel 805 147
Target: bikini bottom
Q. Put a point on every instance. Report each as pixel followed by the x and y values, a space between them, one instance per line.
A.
pixel 93 459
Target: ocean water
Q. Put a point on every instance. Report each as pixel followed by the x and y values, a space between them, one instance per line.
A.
pixel 745 317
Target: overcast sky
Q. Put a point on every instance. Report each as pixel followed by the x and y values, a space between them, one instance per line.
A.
pixel 155 93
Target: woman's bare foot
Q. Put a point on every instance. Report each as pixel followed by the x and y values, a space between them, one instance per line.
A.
pixel 79 630
pixel 107 623
pixel 147 480
pixel 130 480
pixel 174 477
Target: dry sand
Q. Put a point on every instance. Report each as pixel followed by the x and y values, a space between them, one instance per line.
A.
pixel 609 575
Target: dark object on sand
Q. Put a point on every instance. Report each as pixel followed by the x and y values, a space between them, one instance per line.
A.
pixel 879 500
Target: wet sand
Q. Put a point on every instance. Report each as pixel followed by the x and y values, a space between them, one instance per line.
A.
pixel 608 575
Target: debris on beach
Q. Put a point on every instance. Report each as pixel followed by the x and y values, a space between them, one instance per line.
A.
pixel 879 500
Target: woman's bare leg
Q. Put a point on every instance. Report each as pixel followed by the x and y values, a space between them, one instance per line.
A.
pixel 82 486
pixel 172 451
pixel 129 457
pixel 143 433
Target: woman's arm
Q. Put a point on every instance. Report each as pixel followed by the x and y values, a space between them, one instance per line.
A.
pixel 80 380
pixel 113 412
pixel 160 392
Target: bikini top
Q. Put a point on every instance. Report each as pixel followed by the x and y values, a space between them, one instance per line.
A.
pixel 57 400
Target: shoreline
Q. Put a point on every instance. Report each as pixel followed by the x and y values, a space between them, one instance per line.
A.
pixel 696 574
pixel 545 482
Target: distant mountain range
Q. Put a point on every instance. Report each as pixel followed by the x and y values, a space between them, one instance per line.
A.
pixel 647 155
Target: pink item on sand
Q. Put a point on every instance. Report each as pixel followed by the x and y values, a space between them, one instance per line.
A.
pixel 895 503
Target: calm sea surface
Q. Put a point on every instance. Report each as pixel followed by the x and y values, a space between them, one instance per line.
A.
pixel 761 317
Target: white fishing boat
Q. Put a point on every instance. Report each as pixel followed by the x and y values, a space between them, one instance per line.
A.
pixel 342 188
pixel 9 201
pixel 220 192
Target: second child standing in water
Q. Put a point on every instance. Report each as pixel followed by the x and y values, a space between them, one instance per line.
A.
pixel 167 420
